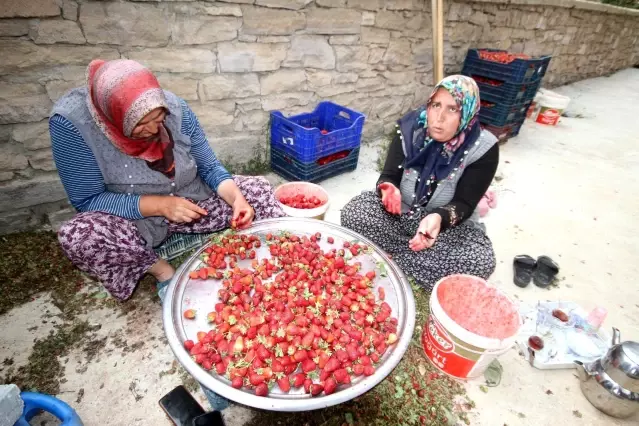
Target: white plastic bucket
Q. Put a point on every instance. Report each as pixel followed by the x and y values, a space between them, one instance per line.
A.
pixel 533 110
pixel 453 349
pixel 291 189
pixel 551 106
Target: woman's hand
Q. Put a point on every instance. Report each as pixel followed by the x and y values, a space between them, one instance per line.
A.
pixel 243 214
pixel 427 232
pixel 391 197
pixel 179 210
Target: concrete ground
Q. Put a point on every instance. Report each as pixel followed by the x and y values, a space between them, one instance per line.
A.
pixel 569 192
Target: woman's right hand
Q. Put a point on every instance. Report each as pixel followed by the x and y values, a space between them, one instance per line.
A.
pixel 179 210
pixel 391 197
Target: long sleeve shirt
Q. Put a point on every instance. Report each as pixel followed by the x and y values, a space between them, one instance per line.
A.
pixel 471 187
pixel 83 180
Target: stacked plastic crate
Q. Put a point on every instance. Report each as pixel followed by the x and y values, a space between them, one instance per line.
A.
pixel 507 87
pixel 315 146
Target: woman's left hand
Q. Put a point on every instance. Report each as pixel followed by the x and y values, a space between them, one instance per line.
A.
pixel 427 232
pixel 243 214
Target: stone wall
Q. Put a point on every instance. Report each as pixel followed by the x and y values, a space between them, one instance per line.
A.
pixel 236 60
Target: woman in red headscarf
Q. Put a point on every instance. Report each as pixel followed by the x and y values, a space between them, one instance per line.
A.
pixel 137 167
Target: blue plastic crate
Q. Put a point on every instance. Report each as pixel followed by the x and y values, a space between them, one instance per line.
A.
pixel 300 136
pixel 503 115
pixel 518 71
pixel 507 93
pixel 292 169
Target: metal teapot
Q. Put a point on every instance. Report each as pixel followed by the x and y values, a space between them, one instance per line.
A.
pixel 611 383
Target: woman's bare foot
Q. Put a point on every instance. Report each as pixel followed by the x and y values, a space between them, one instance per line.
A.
pixel 162 270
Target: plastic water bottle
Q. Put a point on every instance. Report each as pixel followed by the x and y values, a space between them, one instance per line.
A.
pixel 597 317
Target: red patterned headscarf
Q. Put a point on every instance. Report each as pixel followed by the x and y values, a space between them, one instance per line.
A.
pixel 120 93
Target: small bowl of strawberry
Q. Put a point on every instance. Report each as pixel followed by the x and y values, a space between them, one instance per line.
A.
pixel 302 199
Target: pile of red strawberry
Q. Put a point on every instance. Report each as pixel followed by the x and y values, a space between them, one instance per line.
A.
pixel 501 56
pixel 301 201
pixel 304 317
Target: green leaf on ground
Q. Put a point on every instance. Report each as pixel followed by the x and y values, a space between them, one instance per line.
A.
pixel 349 418
pixel 493 374
pixel 100 295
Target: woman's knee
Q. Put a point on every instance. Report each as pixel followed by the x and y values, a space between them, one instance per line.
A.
pixel 252 183
pixel 83 228
pixel 357 212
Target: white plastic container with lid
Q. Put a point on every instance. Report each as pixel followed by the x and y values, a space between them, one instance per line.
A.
pixel 551 105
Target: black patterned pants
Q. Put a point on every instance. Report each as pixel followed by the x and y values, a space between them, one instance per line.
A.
pixel 464 249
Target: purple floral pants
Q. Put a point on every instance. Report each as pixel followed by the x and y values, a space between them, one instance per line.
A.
pixel 111 248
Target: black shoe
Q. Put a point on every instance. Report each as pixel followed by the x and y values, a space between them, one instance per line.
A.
pixel 545 272
pixel 523 266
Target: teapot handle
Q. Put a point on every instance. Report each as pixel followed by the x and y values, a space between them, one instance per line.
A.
pixel 616 336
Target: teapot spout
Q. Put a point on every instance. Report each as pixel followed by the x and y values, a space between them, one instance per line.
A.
pixel 582 372
pixel 616 336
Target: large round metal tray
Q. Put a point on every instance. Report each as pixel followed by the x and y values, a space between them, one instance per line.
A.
pixel 184 293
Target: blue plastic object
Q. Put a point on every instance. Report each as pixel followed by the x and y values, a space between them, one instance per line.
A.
pixel 507 93
pixel 503 115
pixel 289 168
pixel 36 402
pixel 518 71
pixel 217 402
pixel 300 136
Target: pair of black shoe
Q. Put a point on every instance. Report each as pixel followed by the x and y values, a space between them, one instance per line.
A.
pixel 542 271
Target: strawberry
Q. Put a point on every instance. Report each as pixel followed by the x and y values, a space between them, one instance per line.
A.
pixel 382 293
pixel 307 340
pixel 332 364
pixel 300 355
pixel 298 380
pixel 341 375
pixel 342 355
pixel 284 384
pixel 316 389
pixel 277 366
pixel 188 344
pixel 329 386
pixel 307 385
pixel 369 370
pixel 261 390
pixel 237 382
pixel 392 338
pixel 308 365
pixel 256 379
pixel 323 360
pixel 352 352
pixel 358 369
pixel 238 347
pixel 263 353
pixel 203 273
pixel 189 314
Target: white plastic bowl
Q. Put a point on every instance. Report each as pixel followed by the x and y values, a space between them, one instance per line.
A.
pixel 291 189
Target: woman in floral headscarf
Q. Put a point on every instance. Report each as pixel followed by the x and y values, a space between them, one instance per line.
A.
pixel 138 167
pixel 439 166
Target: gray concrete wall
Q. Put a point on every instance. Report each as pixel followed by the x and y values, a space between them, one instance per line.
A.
pixel 235 61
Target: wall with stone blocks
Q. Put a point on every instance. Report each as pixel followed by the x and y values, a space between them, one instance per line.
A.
pixel 236 60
